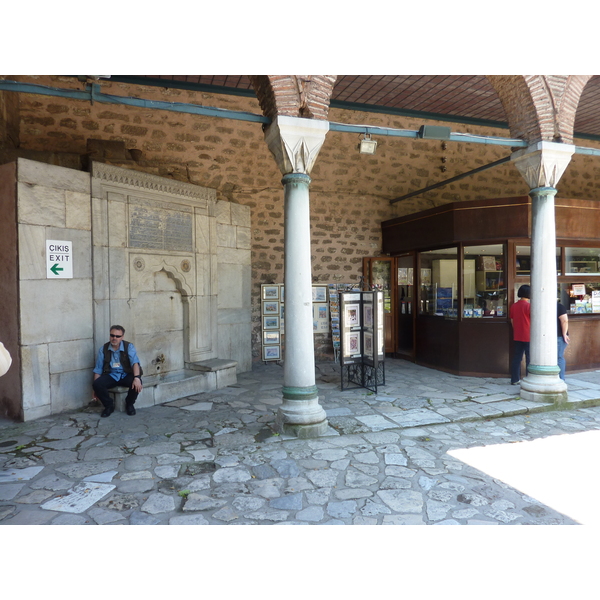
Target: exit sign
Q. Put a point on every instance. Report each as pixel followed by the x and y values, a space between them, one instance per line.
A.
pixel 59 259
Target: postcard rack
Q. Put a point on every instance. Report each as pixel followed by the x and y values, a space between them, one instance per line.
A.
pixel 362 340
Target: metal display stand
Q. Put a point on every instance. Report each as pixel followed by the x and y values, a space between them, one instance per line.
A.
pixel 362 340
pixel 335 289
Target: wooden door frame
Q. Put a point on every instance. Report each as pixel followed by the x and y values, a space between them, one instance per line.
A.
pixel 367 282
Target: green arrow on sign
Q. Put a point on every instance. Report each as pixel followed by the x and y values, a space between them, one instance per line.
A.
pixel 55 269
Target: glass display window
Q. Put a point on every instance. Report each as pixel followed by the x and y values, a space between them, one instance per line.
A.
pixel 582 297
pixel 582 261
pixel 439 282
pixel 523 261
pixel 484 281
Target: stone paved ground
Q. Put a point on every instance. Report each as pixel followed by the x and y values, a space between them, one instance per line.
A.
pixel 213 458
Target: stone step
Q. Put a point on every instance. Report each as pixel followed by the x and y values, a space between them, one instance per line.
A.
pixel 199 377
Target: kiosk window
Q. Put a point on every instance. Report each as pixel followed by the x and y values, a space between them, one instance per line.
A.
pixel 582 261
pixel 484 290
pixel 523 260
pixel 581 297
pixel 439 283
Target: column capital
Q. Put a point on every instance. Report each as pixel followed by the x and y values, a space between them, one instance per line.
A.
pixel 543 164
pixel 296 142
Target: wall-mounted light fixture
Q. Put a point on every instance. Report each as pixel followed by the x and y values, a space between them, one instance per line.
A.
pixel 367 145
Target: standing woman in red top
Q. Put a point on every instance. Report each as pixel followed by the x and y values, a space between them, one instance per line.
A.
pixel 521 323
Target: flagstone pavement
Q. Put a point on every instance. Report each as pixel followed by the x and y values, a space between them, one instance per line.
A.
pixel 213 458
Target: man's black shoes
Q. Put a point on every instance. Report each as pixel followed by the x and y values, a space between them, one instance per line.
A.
pixel 129 409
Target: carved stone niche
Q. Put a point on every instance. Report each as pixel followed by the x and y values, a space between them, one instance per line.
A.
pixel 155 265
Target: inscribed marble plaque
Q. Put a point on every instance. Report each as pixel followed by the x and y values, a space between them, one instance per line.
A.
pixel 159 229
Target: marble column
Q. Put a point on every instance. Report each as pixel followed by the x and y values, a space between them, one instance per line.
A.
pixel 542 165
pixel 295 143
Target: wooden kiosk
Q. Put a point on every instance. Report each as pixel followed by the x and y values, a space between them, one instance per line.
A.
pixel 449 275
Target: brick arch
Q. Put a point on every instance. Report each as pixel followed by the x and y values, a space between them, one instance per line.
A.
pixel 540 107
pixel 306 96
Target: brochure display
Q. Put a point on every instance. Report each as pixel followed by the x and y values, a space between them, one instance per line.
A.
pixel 362 340
pixel 335 289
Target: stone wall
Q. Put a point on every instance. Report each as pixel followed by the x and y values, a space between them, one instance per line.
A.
pixel 158 256
pixel 350 192
pixel 55 315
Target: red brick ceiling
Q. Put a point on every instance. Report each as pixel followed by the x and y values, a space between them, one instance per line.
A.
pixel 462 96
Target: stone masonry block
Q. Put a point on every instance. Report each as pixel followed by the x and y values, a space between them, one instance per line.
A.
pixel 230 290
pixel 223 212
pixel 240 215
pixel 99 222
pixel 226 377
pixel 32 246
pixel 71 390
pixel 226 236
pixel 77 210
pixel 234 256
pixel 67 304
pixel 101 321
pixel 31 200
pixel 35 376
pixel 101 273
pixel 188 386
pixel 234 316
pixel 244 238
pixel 38 412
pixel 51 176
pixel 72 355
pixel 118 264
pixel 117 224
pixel 235 342
pixel 203 234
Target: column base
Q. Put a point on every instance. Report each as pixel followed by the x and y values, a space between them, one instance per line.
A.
pixel 301 431
pixel 547 388
pixel 301 416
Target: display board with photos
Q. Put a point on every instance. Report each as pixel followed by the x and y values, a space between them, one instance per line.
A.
pixel 273 317
pixel 362 339
pixel 320 309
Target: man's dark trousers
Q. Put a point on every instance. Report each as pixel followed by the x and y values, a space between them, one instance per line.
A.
pixel 105 382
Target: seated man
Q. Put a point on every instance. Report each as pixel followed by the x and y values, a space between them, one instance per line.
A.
pixel 117 364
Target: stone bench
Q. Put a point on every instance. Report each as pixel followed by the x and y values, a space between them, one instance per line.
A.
pixel 196 378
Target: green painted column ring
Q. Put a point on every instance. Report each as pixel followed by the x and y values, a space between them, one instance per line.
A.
pixel 543 191
pixel 296 178
pixel 543 369
pixel 300 393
